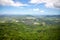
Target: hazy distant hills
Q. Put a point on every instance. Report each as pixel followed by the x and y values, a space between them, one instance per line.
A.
pixel 58 16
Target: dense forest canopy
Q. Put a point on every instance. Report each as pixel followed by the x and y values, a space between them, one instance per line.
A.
pixel 31 28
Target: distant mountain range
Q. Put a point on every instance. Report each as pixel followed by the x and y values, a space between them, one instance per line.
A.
pixel 3 15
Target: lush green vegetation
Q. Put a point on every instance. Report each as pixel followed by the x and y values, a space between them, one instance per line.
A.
pixel 48 29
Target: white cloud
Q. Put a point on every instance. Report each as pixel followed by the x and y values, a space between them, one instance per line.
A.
pixel 48 3
pixel 38 10
pixel 41 11
pixel 35 1
pixel 11 3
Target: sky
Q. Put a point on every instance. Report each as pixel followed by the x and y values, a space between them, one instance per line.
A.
pixel 30 7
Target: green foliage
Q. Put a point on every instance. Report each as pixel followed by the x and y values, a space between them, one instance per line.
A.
pixel 22 31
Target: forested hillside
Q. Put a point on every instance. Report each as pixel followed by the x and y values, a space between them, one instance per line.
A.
pixel 29 28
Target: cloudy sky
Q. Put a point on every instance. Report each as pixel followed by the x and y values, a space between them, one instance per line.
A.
pixel 32 7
